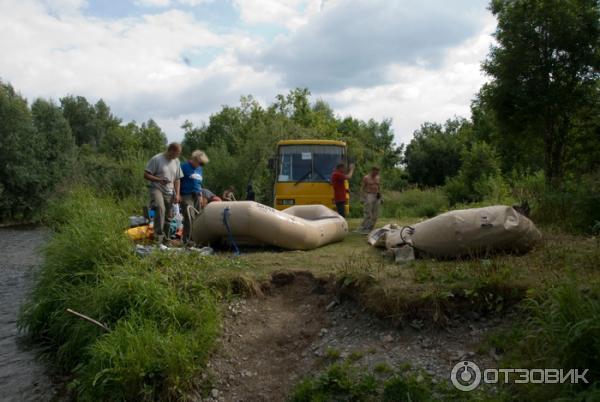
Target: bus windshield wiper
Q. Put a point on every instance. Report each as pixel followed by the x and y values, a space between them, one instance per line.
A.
pixel 303 178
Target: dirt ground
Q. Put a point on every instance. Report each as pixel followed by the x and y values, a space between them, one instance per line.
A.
pixel 270 343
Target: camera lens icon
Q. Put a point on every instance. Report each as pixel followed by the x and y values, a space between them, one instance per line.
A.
pixel 465 376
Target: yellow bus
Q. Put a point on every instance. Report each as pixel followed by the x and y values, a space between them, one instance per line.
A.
pixel 303 172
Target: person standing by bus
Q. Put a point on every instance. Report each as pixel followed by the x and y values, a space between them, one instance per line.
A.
pixel 371 197
pixel 338 181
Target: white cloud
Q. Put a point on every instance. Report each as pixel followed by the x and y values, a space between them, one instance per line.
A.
pixel 65 7
pixel 137 64
pixel 166 3
pixel 153 3
pixel 417 94
pixel 287 13
pixel 353 42
pixel 193 2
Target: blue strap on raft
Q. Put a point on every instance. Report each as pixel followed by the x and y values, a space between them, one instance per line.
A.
pixel 229 233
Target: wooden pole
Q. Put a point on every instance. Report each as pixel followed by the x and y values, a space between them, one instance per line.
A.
pixel 88 319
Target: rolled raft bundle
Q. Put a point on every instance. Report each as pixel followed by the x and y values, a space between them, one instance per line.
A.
pixel 302 227
pixel 468 232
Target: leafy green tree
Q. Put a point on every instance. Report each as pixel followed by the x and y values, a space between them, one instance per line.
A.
pixel 120 142
pixel 151 138
pixel 544 69
pixel 56 139
pixel 372 144
pixel 18 149
pixel 240 139
pixel 434 154
pixel 479 177
pixel 583 154
pixel 37 153
pixel 518 154
pixel 193 137
pixel 89 123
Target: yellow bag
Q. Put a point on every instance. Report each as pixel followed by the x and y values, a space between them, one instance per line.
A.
pixel 139 232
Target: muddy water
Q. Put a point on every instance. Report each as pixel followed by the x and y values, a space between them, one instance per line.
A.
pixel 22 376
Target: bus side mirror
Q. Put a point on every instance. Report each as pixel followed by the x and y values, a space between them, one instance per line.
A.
pixel 271 163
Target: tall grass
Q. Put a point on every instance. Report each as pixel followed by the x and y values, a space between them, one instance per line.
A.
pixel 411 203
pixel 574 205
pixel 162 316
pixel 560 330
pixel 120 178
pixel 415 203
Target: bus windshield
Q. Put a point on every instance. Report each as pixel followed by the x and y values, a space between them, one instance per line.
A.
pixel 308 163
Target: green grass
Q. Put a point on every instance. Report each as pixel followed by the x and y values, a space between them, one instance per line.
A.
pixel 431 289
pixel 414 203
pixel 554 288
pixel 350 381
pixel 162 312
pixel 164 317
pixel 560 328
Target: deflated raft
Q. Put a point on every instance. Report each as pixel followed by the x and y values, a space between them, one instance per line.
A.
pixel 303 227
pixel 465 232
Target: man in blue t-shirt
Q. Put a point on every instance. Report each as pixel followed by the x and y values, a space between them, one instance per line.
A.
pixel 191 187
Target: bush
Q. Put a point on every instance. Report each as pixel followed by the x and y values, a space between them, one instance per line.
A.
pixel 479 178
pixel 162 316
pixel 573 206
pixel 119 178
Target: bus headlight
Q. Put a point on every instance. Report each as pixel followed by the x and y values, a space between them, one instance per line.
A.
pixel 286 201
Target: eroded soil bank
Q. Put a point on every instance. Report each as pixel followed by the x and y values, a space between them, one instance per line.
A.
pixel 22 376
pixel 270 343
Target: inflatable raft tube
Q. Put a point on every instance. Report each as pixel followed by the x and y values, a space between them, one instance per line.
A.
pixel 469 232
pixel 303 227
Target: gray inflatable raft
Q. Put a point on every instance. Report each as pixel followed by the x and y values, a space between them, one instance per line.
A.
pixel 466 232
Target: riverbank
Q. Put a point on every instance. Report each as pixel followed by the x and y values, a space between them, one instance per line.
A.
pixel 23 377
pixel 170 336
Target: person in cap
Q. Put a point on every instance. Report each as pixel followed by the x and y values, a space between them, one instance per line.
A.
pixel 191 188
pixel 163 173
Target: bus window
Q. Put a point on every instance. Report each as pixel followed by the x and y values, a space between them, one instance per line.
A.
pixel 308 163
pixel 325 161
pixel 294 168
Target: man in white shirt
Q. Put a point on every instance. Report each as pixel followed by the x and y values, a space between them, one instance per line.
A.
pixel 163 172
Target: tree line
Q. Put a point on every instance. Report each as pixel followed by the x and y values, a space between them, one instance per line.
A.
pixel 50 146
pixel 534 129
pixel 47 146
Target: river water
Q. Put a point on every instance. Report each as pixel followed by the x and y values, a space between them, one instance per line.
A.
pixel 22 376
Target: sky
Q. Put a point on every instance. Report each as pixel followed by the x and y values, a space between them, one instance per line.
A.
pixel 176 60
